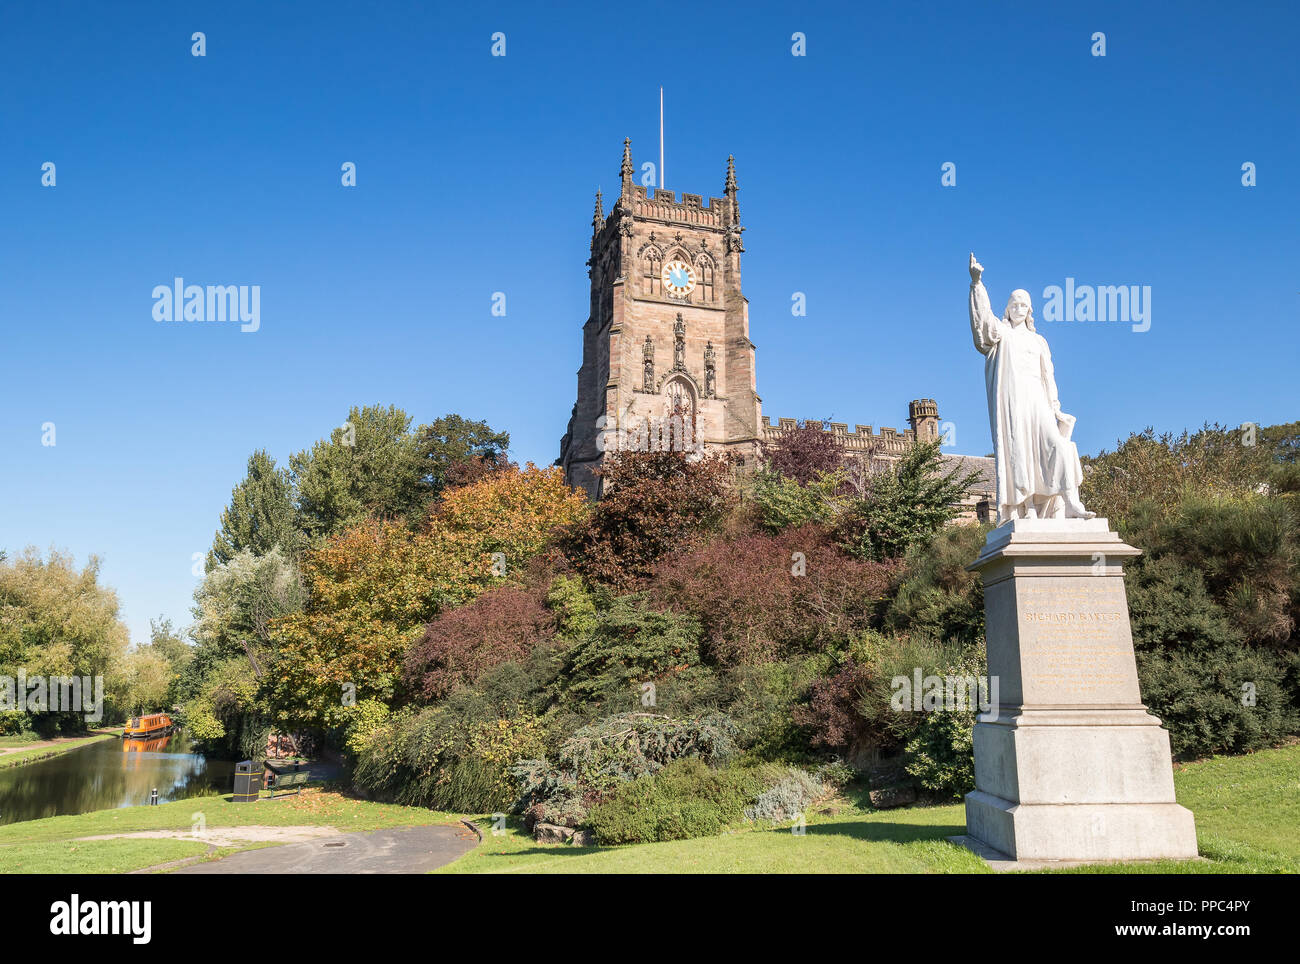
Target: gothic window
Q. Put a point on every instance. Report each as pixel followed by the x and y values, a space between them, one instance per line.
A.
pixel 652 263
pixel 704 273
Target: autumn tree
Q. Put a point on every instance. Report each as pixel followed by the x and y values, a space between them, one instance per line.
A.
pixel 375 586
pixel 805 452
pixel 653 503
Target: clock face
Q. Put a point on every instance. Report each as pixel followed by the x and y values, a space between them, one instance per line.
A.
pixel 679 278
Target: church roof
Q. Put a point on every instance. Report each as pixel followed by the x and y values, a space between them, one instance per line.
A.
pixel 987 479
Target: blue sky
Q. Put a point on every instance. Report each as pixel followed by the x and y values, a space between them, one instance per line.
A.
pixel 476 174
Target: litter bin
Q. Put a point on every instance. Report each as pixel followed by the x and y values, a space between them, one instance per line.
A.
pixel 248 782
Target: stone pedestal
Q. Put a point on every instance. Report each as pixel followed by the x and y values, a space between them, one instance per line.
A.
pixel 1069 765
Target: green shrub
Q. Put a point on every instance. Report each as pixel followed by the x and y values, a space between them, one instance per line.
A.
pixel 1203 699
pixel 937 596
pixel 629 644
pixel 448 760
pixel 936 744
pixel 940 755
pixel 617 750
pixel 789 799
pixel 685 799
pixel 1170 609
pixel 575 606
pixel 782 503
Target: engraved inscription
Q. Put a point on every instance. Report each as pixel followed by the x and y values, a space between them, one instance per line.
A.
pixel 1076 642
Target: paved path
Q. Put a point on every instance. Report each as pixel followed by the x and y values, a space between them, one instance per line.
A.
pixel 411 850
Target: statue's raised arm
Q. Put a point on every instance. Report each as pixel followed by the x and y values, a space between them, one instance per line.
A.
pixel 1038 469
pixel 984 325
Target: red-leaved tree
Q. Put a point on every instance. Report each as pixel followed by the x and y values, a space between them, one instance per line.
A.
pixel 654 503
pixel 806 451
pixel 462 644
pixel 765 597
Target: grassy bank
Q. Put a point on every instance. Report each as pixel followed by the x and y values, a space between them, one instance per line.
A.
pixel 1247 821
pixel 48 748
pixel 50 845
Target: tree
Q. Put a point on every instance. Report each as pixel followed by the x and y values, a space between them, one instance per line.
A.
pixel 654 503
pixel 147 676
pixel 372 589
pixel 375 585
pixel 505 518
pixel 368 467
pixel 805 452
pixel 56 619
pixel 903 506
pixel 454 447
pixel 234 608
pixel 168 644
pixel 261 514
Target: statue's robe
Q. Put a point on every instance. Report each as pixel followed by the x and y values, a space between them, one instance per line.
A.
pixel 1033 458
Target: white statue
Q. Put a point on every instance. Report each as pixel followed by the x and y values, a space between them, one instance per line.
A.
pixel 1038 470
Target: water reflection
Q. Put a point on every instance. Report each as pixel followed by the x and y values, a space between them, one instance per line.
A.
pixel 108 774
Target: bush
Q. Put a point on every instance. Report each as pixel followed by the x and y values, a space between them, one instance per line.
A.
pixel 684 799
pixel 759 700
pixel 367 718
pixel 1200 697
pixel 654 503
pixel 629 645
pixel 1170 608
pixel 575 606
pixel 1246 548
pixel 783 503
pixel 613 751
pixel 832 714
pixel 444 759
pixel 1160 469
pixel 789 799
pixel 940 756
pixel 460 645
pixel 937 597
pixel 766 597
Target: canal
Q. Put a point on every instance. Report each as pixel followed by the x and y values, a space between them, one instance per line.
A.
pixel 111 773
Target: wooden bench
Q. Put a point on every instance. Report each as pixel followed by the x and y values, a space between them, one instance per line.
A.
pixel 294 776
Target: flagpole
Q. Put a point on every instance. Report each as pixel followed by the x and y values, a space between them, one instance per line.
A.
pixel 661 137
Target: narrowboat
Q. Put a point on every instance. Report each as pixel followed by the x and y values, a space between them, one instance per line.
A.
pixel 143 727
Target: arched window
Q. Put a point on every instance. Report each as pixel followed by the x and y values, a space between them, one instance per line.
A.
pixel 704 276
pixel 652 265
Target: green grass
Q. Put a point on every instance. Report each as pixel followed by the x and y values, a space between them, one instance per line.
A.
pixel 63 746
pixel 856 842
pixel 1247 821
pixel 50 842
pixel 95 856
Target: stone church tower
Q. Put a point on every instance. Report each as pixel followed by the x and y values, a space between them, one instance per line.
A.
pixel 666 355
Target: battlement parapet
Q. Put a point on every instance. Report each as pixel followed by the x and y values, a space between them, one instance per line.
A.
pixel 690 210
pixel 889 441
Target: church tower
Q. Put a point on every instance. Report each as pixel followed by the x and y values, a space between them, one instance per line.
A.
pixel 667 338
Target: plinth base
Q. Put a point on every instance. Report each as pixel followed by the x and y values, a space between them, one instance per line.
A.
pixel 1083 832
